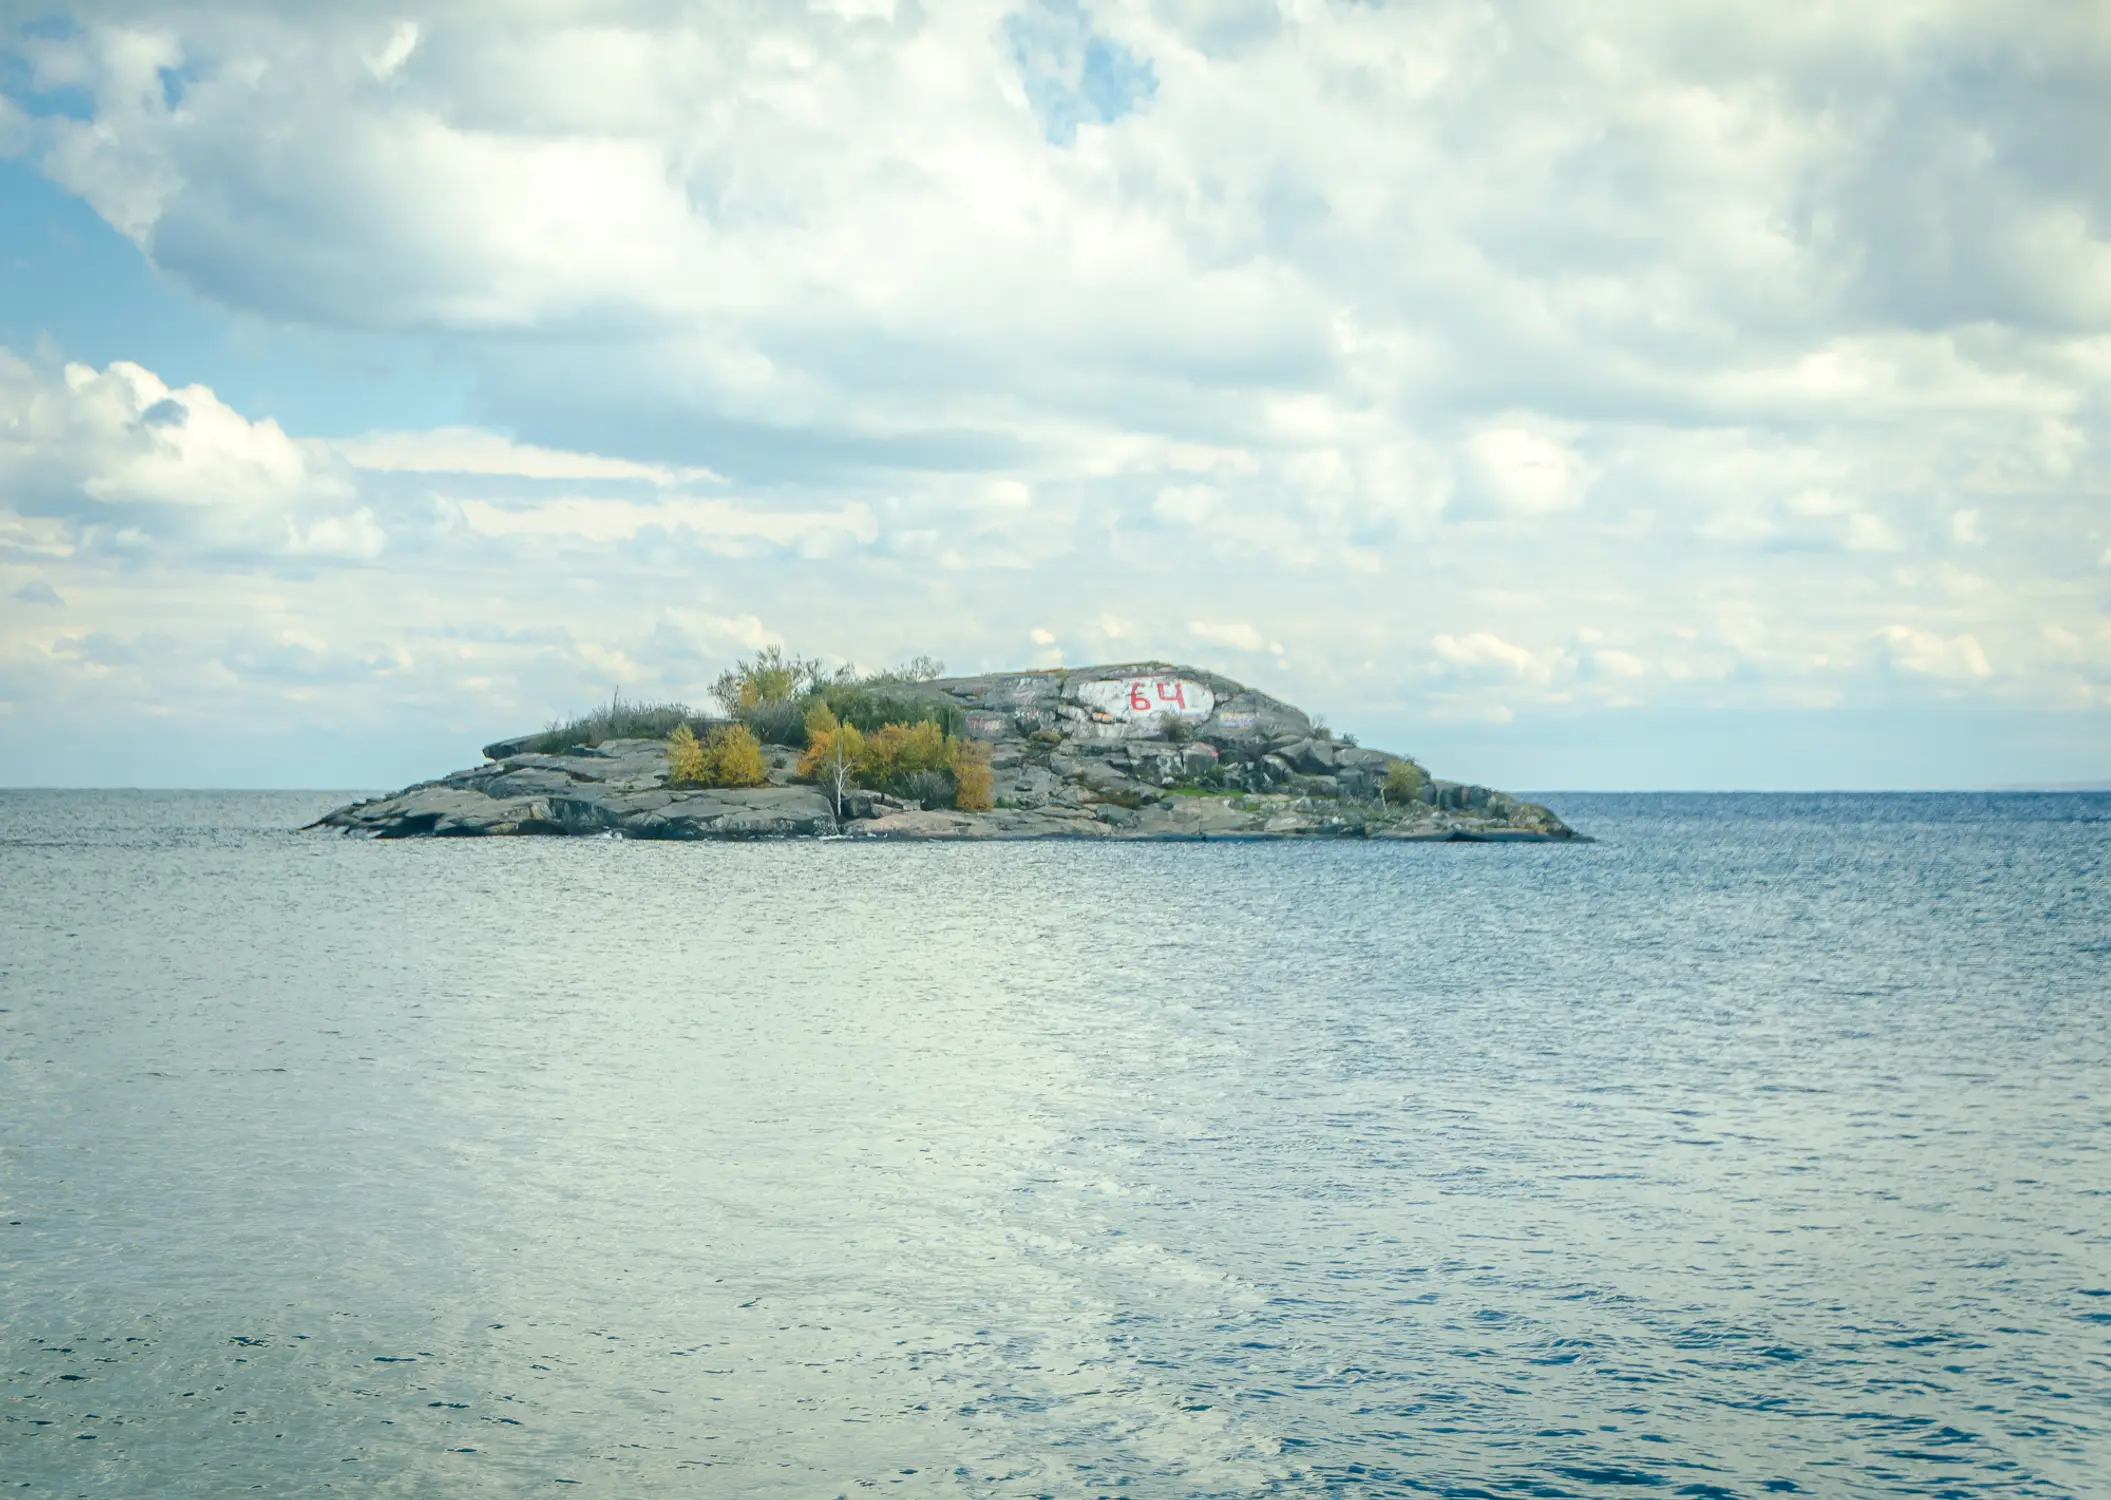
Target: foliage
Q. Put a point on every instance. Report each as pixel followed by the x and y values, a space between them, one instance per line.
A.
pixel 730 756
pixel 773 694
pixel 770 677
pixel 896 751
pixel 917 762
pixel 1403 781
pixel 1177 731
pixel 685 755
pixel 829 745
pixel 972 781
pixel 780 723
pixel 924 788
pixel 619 719
pixel 915 669
pixel 735 757
pixel 872 708
pixel 833 752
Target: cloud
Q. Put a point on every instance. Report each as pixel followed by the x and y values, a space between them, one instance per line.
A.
pixel 1490 658
pixel 1929 655
pixel 613 520
pixel 468 450
pixel 401 43
pixel 1450 362
pixel 1516 471
pixel 1238 635
pixel 116 458
pixel 1187 504
pixel 37 591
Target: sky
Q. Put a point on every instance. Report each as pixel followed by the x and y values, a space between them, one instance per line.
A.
pixel 1621 395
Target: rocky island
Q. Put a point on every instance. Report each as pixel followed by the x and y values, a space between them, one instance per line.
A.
pixel 1139 750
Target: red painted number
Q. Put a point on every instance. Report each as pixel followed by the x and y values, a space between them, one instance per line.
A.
pixel 1139 701
pixel 1177 695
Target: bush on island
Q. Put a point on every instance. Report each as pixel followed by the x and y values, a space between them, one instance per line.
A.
pixel 773 692
pixel 730 756
pixel 918 762
pixel 972 782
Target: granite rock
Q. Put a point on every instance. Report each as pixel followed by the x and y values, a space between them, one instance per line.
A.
pixel 1139 750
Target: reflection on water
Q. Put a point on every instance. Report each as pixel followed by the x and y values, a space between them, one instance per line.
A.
pixel 1758 1148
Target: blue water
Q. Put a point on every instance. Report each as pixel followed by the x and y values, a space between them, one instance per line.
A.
pixel 1757 1148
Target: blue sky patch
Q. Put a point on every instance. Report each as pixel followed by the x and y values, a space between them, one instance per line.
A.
pixel 1074 75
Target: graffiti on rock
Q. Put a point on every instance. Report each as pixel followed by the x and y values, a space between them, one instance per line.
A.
pixel 1129 699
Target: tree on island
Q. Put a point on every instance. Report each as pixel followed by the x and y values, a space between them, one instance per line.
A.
pixel 1403 780
pixel 833 751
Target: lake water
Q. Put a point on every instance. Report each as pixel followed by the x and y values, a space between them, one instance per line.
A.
pixel 1757 1148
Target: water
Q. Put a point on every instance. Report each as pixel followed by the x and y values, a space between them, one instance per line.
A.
pixel 1758 1148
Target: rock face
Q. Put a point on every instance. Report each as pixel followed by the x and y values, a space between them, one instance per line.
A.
pixel 1142 750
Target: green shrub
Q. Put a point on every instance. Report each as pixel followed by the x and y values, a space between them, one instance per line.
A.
pixel 896 751
pixel 925 788
pixel 872 708
pixel 1403 781
pixel 782 722
pixel 915 669
pixel 769 677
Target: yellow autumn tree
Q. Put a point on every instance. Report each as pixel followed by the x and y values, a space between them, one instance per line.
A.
pixel 730 757
pixel 820 723
pixel 971 776
pixel 896 750
pixel 833 753
pixel 685 755
pixel 733 757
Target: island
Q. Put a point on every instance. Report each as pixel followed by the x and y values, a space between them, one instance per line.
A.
pixel 1136 750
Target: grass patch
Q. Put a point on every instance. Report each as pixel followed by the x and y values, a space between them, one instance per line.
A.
pixel 618 719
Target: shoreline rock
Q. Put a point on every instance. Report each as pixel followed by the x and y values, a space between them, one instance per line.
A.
pixel 1140 751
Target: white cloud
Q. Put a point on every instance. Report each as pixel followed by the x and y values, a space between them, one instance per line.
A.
pixel 1189 504
pixel 1482 654
pixel 401 43
pixel 1930 655
pixel 596 520
pixel 1723 339
pixel 353 536
pixel 116 458
pixel 1239 635
pixel 469 450
pixel 1516 471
